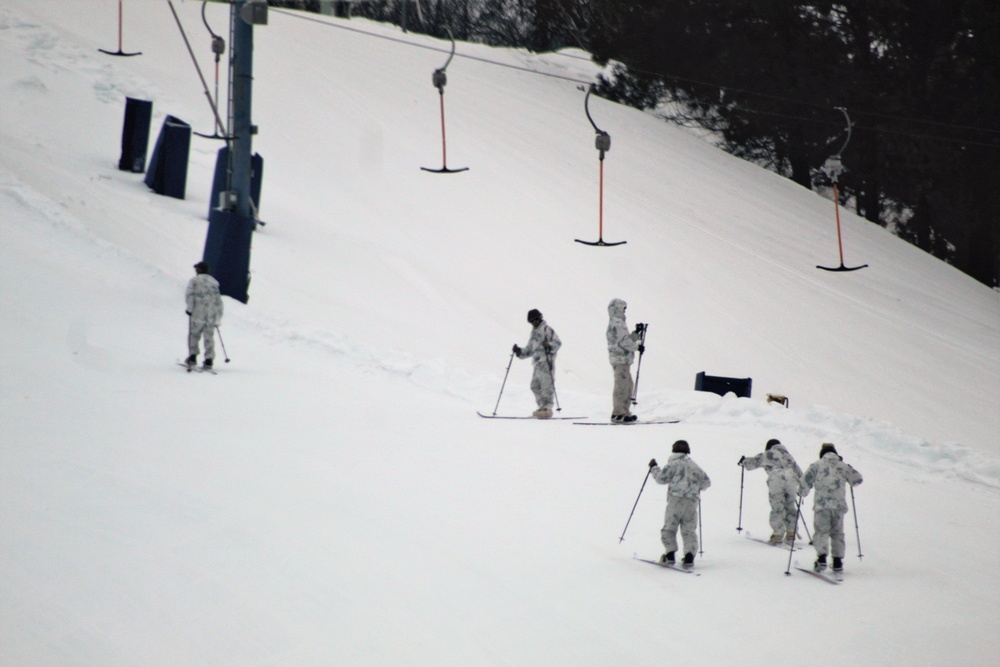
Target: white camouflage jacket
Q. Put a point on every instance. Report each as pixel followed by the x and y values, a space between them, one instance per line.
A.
pixel 535 348
pixel 621 343
pixel 685 477
pixel 829 475
pixel 774 460
pixel 203 300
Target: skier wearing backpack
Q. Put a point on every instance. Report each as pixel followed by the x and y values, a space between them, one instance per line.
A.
pixel 542 347
pixel 783 475
pixel 204 309
pixel 622 347
pixel 685 480
pixel 829 475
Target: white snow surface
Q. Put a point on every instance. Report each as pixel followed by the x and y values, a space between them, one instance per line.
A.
pixel 331 497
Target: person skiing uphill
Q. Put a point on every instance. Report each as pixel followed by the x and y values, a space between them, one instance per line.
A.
pixel 685 480
pixel 204 309
pixel 783 475
pixel 828 475
pixel 622 347
pixel 542 346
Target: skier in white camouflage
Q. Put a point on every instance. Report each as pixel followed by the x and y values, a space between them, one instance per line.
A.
pixel 783 475
pixel 204 309
pixel 829 475
pixel 542 347
pixel 622 347
pixel 685 480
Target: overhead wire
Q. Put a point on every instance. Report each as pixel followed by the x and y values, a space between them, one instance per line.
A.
pixel 428 47
pixel 720 87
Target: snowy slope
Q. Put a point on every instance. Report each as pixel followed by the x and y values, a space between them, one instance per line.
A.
pixel 331 498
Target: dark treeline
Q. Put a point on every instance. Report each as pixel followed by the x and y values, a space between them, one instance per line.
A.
pixel 919 78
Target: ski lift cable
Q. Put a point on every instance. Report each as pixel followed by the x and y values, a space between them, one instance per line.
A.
pixel 397 40
pixel 744 91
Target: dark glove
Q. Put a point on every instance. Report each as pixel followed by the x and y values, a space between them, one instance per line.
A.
pixel 638 328
pixel 742 459
pixel 188 313
pixel 652 463
pixel 642 348
pixel 517 350
pixel 547 347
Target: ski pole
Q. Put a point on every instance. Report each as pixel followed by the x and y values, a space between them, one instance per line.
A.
pixel 552 374
pixel 701 534
pixel 739 525
pixel 791 551
pixel 806 526
pixel 857 531
pixel 638 367
pixel 222 343
pixel 651 464
pixel 504 383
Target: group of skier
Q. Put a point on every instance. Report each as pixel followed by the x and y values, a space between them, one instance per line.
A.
pixel 787 486
pixel 544 343
pixel 685 480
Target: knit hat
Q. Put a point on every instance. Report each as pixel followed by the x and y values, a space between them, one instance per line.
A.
pixel 771 443
pixel 681 447
pixel 534 315
pixel 202 267
pixel 826 449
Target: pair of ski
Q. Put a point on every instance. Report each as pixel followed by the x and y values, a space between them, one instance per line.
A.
pixel 197 369
pixel 780 545
pixel 635 423
pixel 553 418
pixel 581 423
pixel 830 577
pixel 667 566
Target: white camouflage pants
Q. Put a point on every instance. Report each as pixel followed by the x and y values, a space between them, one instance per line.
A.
pixel 197 331
pixel 543 385
pixel 681 513
pixel 621 397
pixel 828 533
pixel 782 492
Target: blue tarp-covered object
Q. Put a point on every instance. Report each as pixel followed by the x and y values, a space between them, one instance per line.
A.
pixel 135 135
pixel 219 179
pixel 723 385
pixel 227 251
pixel 167 174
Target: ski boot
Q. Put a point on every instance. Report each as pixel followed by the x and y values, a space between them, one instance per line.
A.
pixel 191 361
pixel 776 539
pixel 838 565
pixel 667 558
pixel 688 561
pixel 820 563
